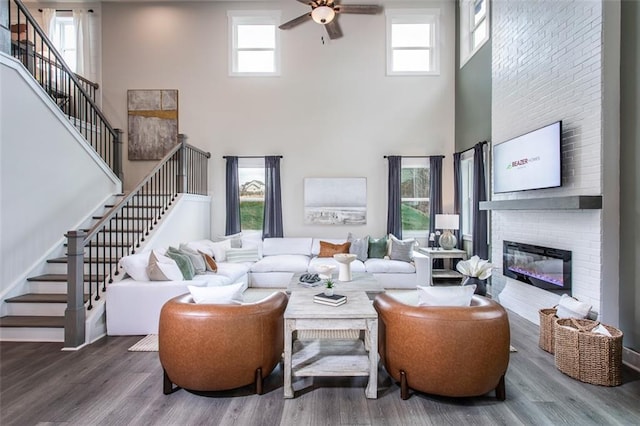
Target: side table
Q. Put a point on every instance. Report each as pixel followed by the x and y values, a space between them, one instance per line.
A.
pixel 440 253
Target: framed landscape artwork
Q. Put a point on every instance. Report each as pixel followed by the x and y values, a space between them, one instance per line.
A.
pixel 335 201
pixel 153 123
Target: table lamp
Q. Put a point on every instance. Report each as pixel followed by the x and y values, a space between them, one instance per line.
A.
pixel 447 222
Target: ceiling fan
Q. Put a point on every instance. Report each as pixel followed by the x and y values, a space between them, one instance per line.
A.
pixel 324 12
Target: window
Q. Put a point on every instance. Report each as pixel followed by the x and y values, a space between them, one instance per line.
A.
pixel 64 39
pixel 474 27
pixel 466 171
pixel 251 181
pixel 414 189
pixel 254 43
pixel 412 42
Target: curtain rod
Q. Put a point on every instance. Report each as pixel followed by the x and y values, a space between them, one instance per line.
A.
pixel 250 156
pixel 469 149
pixel 417 156
pixel 66 10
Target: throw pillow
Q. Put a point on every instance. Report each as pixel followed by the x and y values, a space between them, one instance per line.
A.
pixel 183 261
pixel 196 259
pixel 446 296
pixel 359 246
pixel 235 239
pixel 239 255
pixel 377 248
pixel 401 249
pixel 217 295
pixel 136 266
pixel 210 262
pixel 568 307
pixel 163 268
pixel 328 249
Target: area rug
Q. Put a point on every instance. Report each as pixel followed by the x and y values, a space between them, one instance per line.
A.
pixel 147 344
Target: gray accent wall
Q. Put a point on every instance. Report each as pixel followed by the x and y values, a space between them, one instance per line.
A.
pixel 629 180
pixel 473 95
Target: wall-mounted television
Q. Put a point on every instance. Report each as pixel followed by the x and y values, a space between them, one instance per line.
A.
pixel 529 161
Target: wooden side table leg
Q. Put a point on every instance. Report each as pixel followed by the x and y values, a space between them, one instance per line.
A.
pixel 372 338
pixel 288 346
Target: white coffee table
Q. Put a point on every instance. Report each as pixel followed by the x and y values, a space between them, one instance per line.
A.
pixel 331 357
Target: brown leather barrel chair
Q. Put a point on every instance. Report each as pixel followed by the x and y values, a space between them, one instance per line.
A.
pixel 211 347
pixel 444 350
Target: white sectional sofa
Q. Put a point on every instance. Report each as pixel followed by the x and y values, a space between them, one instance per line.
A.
pixel 283 257
pixel 133 305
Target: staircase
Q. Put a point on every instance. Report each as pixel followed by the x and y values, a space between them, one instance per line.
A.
pixel 65 291
pixel 39 313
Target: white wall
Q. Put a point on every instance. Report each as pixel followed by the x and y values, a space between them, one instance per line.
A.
pixel 332 113
pixel 50 179
pixel 547 65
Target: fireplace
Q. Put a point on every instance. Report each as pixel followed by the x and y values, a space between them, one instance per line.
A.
pixel 544 267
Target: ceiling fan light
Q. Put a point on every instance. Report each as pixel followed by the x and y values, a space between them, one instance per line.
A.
pixel 323 14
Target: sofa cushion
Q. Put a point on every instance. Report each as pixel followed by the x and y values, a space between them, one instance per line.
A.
pixel 328 249
pixel 359 246
pixel 136 266
pixel 356 265
pixel 446 295
pixel 233 271
pixel 377 248
pixel 282 263
pixel 386 266
pixel 220 294
pixel 278 246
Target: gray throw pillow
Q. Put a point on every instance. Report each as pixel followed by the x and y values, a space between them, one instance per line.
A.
pixel 401 249
pixel 196 259
pixel 359 246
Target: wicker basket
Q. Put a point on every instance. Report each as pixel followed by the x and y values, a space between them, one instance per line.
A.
pixel 547 328
pixel 586 356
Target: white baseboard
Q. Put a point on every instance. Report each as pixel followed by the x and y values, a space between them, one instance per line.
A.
pixel 631 358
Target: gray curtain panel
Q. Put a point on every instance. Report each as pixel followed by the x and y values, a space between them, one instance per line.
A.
pixel 457 196
pixel 272 223
pixel 435 190
pixel 480 247
pixel 394 209
pixel 232 197
pixel 435 198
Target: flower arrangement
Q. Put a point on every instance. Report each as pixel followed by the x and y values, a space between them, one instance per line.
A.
pixel 475 267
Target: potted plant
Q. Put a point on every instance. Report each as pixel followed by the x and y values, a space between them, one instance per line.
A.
pixel 476 271
pixel 329 286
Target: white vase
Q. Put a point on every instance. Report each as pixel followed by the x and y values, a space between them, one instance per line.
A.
pixel 328 291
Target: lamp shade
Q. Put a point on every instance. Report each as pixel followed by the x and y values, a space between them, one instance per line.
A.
pixel 323 14
pixel 447 221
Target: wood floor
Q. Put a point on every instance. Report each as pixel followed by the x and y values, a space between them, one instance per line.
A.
pixel 105 384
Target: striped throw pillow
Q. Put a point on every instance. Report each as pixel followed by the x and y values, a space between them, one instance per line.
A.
pixel 238 255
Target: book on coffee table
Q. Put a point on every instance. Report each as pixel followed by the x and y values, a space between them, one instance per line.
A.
pixel 334 300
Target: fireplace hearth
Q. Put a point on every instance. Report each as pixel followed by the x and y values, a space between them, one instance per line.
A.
pixel 544 267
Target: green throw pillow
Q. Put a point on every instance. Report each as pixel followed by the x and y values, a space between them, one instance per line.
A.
pixel 183 261
pixel 377 248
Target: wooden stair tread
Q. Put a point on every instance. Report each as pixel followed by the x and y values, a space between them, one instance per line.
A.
pixel 60 278
pixel 41 298
pixel 32 321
